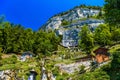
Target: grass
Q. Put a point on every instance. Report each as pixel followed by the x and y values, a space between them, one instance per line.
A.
pixel 49 65
pixel 114 48
pixel 9 64
pixel 83 19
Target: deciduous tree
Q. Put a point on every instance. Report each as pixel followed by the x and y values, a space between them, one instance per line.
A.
pixel 112 12
pixel 102 35
pixel 86 41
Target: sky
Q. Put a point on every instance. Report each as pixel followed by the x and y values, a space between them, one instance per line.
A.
pixel 34 13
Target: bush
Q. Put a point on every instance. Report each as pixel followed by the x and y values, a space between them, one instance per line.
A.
pixel 82 69
pixel 65 23
pixel 96 75
pixel 0 56
pixel 0 59
pixel 10 60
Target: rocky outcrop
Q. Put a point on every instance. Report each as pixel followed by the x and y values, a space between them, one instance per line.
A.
pixel 73 15
pixel 71 68
pixel 70 36
pixel 75 19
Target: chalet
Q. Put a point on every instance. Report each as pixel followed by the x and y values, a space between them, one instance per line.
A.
pixel 101 55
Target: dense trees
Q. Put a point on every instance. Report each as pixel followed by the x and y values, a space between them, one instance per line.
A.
pixel 116 35
pixel 112 12
pixel 86 41
pixel 7 37
pixel 102 35
pixel 116 61
pixel 14 38
pixel 28 40
pixel 45 42
pixel 113 68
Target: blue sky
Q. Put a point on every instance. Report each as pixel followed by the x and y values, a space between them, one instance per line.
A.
pixel 34 13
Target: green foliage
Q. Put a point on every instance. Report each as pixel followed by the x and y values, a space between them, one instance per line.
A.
pixel 116 35
pixel 96 75
pixel 82 69
pixel 6 35
pixel 100 14
pixel 86 41
pixel 0 56
pixel 83 19
pixel 14 39
pixel 113 69
pixel 112 12
pixel 0 59
pixel 64 76
pixel 102 35
pixel 1 35
pixel 65 23
pixel 27 40
pixel 10 60
pixel 45 43
pixel 116 61
pixel 56 71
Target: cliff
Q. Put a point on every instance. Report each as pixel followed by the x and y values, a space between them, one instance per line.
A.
pixel 69 23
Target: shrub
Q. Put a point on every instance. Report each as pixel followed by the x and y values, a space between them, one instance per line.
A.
pixel 65 23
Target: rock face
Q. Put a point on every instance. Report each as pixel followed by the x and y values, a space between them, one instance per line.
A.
pixel 72 15
pixel 71 68
pixel 70 37
pixel 75 19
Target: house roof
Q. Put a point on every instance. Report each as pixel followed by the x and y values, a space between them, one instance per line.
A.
pixel 101 51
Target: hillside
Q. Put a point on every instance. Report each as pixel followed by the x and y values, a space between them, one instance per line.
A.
pixel 69 23
pixel 79 44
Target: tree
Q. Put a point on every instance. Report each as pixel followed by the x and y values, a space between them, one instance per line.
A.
pixel 116 61
pixel 112 12
pixel 7 39
pixel 11 37
pixel 86 41
pixel 16 32
pixel 27 39
pixel 1 36
pixel 100 14
pixel 45 43
pixel 114 71
pixel 102 35
pixel 1 29
pixel 116 35
pixel 113 68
